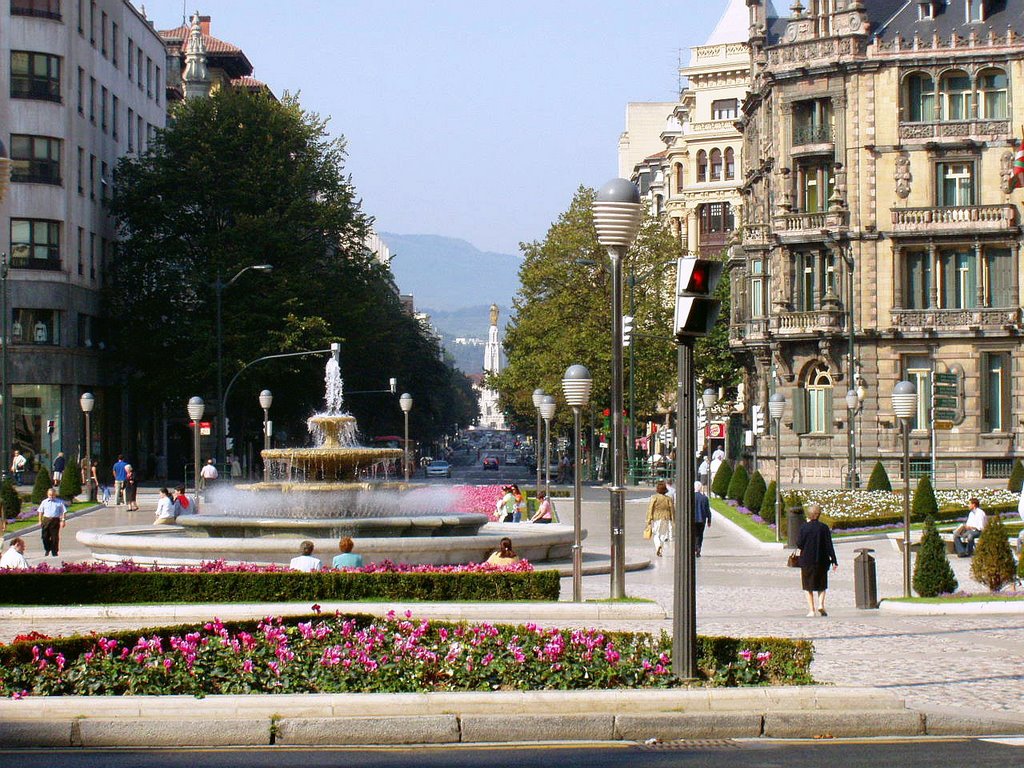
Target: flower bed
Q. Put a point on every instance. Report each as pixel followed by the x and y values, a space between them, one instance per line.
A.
pixel 395 654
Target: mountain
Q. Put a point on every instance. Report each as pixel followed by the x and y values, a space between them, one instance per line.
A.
pixel 464 333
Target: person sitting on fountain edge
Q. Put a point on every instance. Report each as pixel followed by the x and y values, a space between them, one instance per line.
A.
pixel 347 558
pixel 182 504
pixel 305 562
pixel 505 554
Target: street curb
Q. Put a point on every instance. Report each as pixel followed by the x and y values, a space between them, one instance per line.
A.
pixel 775 546
pixel 985 608
pixel 34 528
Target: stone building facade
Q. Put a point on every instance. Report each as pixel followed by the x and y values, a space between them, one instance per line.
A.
pixel 880 234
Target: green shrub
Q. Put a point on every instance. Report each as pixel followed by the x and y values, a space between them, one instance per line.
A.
pixel 1016 477
pixel 753 497
pixel 42 485
pixel 993 562
pixel 879 480
pixel 923 504
pixel 768 504
pixel 10 500
pixel 22 588
pixel 720 483
pixel 70 481
pixel 738 484
pixel 933 574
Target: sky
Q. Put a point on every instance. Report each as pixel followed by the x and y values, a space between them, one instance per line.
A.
pixel 473 119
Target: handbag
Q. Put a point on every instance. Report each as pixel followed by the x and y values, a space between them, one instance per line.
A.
pixel 793 561
pixel 648 531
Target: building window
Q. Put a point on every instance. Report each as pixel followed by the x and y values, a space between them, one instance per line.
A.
pixel 920 98
pixel 995 392
pixel 677 172
pixel 757 289
pixel 104 182
pixel 998 279
pixel 115 105
pixel 814 277
pixel 702 166
pixel 35 159
pixel 958 279
pixel 81 251
pixel 103 109
pixel 716 164
pixel 819 404
pixel 955 95
pixel 954 183
pixel 35 326
pixel 92 177
pixel 35 244
pixel 138 134
pixel 92 255
pixel 131 129
pixel 926 10
pixel 131 59
pixel 918 275
pixel 918 370
pixel 724 109
pixel 975 10
pixel 963 281
pixel 44 9
pixel 716 218
pixel 113 44
pixel 92 100
pixel 992 88
pixel 156 87
pixel 814 186
pixel 149 77
pixel 92 23
pixel 81 171
pixel 35 76
pixel 812 122
pixel 103 33
pixel 81 91
pixel 138 67
pixel 730 163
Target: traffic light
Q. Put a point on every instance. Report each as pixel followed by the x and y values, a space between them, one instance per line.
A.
pixel 696 280
pixel 51 426
pixel 758 412
pixel 627 329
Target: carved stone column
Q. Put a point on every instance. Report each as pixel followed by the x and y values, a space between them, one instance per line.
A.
pixel 933 290
pixel 898 270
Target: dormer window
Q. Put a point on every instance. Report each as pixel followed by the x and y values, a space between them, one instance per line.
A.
pixel 926 10
pixel 975 10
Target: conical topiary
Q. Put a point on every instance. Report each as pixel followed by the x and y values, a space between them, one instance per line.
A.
pixel 754 494
pixel 993 562
pixel 933 575
pixel 720 485
pixel 879 480
pixel 1016 477
pixel 924 504
pixel 70 481
pixel 42 485
pixel 768 504
pixel 738 484
pixel 10 501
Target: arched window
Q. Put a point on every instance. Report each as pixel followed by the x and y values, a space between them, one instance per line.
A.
pixel 955 95
pixel 919 93
pixel 730 163
pixel 819 402
pixel 702 166
pixel 992 86
pixel 716 165
pixel 678 173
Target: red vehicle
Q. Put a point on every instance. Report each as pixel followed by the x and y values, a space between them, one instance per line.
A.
pixel 491 462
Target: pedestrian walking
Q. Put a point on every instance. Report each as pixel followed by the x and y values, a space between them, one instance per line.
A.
pixel 52 517
pixel 660 511
pixel 58 468
pixel 18 464
pixel 207 475
pixel 816 554
pixel 704 471
pixel 701 517
pixel 119 473
pixel 89 480
pixel 131 488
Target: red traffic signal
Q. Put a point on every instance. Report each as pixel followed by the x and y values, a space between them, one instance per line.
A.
pixel 696 280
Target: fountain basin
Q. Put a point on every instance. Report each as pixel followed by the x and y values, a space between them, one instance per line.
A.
pixel 223 526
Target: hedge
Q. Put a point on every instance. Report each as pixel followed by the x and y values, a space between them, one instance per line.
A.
pixel 170 587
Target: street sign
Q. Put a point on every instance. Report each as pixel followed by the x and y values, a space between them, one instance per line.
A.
pixel 946 400
pixel 943 424
pixel 949 403
pixel 945 390
pixel 716 430
pixel 944 378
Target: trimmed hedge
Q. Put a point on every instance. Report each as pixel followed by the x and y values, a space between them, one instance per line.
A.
pixel 768 504
pixel 753 497
pixel 738 484
pixel 933 575
pixel 70 481
pixel 170 587
pixel 923 505
pixel 1016 477
pixel 721 480
pixel 10 501
pixel 879 480
pixel 42 485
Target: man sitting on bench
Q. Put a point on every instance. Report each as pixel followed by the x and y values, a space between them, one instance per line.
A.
pixel 965 536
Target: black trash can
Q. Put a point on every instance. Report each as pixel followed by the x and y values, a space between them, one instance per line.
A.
pixel 794 519
pixel 865 582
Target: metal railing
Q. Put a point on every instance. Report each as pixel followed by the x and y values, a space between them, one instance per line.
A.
pixel 812 134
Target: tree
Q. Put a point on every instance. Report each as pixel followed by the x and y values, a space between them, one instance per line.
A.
pixel 10 501
pixel 768 504
pixel 993 563
pixel 923 504
pixel 933 574
pixel 738 484
pixel 754 495
pixel 1016 477
pixel 70 481
pixel 722 479
pixel 879 480
pixel 42 484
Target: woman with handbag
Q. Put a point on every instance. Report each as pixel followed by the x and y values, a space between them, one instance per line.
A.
pixel 660 511
pixel 816 554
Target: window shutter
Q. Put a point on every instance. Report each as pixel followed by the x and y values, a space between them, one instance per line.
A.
pixel 829 414
pixel 800 411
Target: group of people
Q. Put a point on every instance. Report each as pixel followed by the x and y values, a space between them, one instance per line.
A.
pixel 661 512
pixel 172 504
pixel 346 559
pixel 512 507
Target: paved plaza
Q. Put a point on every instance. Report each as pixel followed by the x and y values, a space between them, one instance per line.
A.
pixel 971 663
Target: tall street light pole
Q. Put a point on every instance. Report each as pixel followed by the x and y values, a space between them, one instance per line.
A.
pixel 538 397
pixel 405 403
pixel 853 398
pixel 904 405
pixel 5 447
pixel 218 290
pixel 547 412
pixel 617 214
pixel 708 398
pixel 196 409
pixel 576 385
pixel 87 402
pixel 266 400
pixel 776 410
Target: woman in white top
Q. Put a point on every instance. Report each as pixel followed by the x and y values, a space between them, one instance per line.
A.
pixel 164 509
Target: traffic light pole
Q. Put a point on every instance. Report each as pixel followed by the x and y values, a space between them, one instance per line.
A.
pixel 617 506
pixel 684 599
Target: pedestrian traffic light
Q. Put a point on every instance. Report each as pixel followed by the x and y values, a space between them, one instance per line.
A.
pixel 627 329
pixel 758 412
pixel 51 426
pixel 696 311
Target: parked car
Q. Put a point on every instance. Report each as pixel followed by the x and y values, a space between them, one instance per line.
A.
pixel 491 462
pixel 511 458
pixel 438 468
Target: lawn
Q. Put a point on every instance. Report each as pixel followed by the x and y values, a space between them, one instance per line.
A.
pixel 760 531
pixel 13 526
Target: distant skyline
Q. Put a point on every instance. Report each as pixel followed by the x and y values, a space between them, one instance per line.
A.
pixel 476 120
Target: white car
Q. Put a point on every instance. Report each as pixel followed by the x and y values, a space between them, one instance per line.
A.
pixel 439 468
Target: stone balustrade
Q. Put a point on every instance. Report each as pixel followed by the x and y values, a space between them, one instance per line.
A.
pixel 938 319
pixel 945 218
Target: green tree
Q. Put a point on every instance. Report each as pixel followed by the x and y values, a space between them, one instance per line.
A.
pixel 879 480
pixel 10 501
pixel 70 481
pixel 1016 477
pixel 933 574
pixel 722 479
pixel 42 484
pixel 924 504
pixel 993 563
pixel 738 483
pixel 754 495
pixel 768 504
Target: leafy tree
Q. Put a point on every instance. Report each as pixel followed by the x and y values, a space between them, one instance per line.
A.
pixel 70 481
pixel 879 480
pixel 924 504
pixel 768 504
pixel 10 501
pixel 1016 477
pixel 42 484
pixel 933 575
pixel 754 495
pixel 738 483
pixel 993 563
pixel 722 479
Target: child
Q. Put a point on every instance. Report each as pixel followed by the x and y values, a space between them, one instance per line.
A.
pixel 105 494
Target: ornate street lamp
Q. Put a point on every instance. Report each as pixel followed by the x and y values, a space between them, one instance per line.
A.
pixel 196 408
pixel 405 402
pixel 853 398
pixel 904 405
pixel 547 412
pixel 776 409
pixel 617 214
pixel 266 400
pixel 576 386
pixel 87 402
pixel 538 396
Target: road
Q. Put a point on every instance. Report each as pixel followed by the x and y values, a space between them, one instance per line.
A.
pixel 906 753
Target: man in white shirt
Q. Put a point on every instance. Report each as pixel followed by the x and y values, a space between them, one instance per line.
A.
pixel 207 475
pixel 305 562
pixel 965 536
pixel 14 557
pixel 52 517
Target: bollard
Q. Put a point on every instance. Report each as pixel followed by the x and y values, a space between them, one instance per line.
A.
pixel 865 586
pixel 794 519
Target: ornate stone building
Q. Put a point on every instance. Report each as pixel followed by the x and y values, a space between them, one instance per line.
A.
pixel 880 238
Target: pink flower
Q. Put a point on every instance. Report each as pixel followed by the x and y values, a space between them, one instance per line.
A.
pixel 746 654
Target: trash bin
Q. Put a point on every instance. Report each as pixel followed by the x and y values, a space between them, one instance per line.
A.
pixel 865 583
pixel 794 519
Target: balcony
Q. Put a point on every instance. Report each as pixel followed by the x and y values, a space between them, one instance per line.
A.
pixel 801 226
pixel 971 218
pixel 955 319
pixel 50 265
pixel 957 129
pixel 812 138
pixel 819 320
